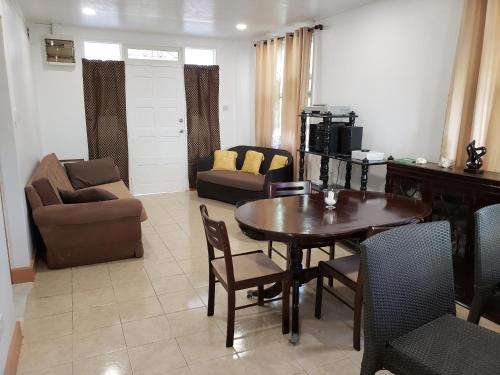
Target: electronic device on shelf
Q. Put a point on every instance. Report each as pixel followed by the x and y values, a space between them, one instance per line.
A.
pixel 316 109
pixel 368 154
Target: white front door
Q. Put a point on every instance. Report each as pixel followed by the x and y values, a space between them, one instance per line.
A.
pixel 156 129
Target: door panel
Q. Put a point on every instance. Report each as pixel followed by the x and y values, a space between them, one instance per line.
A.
pixel 157 140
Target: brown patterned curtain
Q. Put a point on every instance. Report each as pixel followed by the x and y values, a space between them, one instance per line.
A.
pixel 105 111
pixel 202 109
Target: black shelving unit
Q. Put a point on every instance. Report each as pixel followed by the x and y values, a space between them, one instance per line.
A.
pixel 326 156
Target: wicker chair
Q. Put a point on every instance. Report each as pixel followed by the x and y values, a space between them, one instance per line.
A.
pixel 487 264
pixel 410 324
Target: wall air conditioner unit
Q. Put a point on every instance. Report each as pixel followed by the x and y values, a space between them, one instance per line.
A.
pixel 59 50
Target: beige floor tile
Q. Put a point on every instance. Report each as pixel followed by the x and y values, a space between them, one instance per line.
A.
pixel 128 272
pixel 191 321
pixel 48 327
pixel 51 287
pixel 203 346
pixel 193 265
pixel 96 317
pixel 90 277
pixel 157 358
pixel 167 228
pixel 116 363
pixel 198 279
pixel 347 366
pixel 139 309
pixel 153 241
pixel 93 298
pixel 65 369
pixel 39 355
pixel 180 301
pixel 171 284
pixel 162 269
pixel 274 359
pixel 228 365
pixel 199 252
pixel 146 331
pixel 40 307
pixel 134 290
pixel 99 342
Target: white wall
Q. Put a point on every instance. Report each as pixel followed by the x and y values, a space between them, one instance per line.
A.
pixel 20 146
pixel 392 62
pixel 60 89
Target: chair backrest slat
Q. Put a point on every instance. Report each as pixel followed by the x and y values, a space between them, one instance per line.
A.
pixel 217 238
pixel 407 282
pixel 283 189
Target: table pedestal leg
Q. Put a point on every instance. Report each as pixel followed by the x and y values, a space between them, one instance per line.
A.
pixel 296 267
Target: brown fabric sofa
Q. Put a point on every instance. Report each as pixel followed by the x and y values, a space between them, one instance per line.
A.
pixel 85 233
pixel 232 187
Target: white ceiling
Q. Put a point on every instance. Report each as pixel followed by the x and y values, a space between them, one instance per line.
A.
pixel 213 18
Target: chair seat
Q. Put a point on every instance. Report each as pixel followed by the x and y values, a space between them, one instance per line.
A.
pixel 447 345
pixel 247 267
pixel 348 266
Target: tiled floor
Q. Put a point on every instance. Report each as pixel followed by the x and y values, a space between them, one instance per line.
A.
pixel 148 316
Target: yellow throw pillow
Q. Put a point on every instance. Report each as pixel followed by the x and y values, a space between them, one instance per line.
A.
pixel 279 161
pixel 253 160
pixel 225 160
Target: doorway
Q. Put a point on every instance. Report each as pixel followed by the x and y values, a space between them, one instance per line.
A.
pixel 156 127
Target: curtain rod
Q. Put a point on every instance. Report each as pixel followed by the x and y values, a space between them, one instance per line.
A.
pixel 315 27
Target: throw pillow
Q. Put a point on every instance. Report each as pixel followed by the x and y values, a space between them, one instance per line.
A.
pixel 46 191
pixel 92 172
pixel 279 161
pixel 86 195
pixel 253 160
pixel 225 160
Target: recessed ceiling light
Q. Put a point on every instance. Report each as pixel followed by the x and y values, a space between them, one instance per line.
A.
pixel 241 26
pixel 88 11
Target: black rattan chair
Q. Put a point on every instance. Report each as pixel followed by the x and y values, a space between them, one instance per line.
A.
pixel 409 316
pixel 487 264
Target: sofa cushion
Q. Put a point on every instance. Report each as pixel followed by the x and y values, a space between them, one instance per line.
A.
pixel 86 195
pixel 279 161
pixel 46 191
pixel 235 179
pixel 92 172
pixel 252 162
pixel 119 189
pixel 225 160
pixel 51 168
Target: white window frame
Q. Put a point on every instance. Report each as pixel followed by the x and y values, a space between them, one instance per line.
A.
pixel 204 49
pixel 120 46
pixel 152 62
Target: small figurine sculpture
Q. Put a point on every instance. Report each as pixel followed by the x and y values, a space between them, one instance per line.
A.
pixel 474 162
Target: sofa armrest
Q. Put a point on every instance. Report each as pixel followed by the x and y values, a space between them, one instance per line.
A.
pixel 284 174
pixel 87 213
pixel 205 164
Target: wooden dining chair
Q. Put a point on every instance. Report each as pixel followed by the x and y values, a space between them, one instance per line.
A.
pixel 285 189
pixel 347 270
pixel 240 271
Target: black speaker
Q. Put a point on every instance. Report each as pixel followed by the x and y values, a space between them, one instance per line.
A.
pixel 316 137
pixel 334 146
pixel 350 139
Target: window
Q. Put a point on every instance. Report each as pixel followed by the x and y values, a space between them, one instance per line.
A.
pixel 153 54
pixel 102 51
pixel 198 56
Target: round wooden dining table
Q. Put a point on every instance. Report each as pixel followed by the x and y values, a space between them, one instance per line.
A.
pixel 303 221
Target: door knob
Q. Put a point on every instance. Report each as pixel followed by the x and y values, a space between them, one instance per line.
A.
pixel 181 131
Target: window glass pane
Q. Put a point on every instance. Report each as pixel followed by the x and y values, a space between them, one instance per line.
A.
pixel 102 51
pixel 198 56
pixel 151 54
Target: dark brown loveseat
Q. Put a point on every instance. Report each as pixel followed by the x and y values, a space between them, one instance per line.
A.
pixel 231 187
pixel 85 233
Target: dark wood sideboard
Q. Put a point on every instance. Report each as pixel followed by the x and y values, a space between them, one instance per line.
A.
pixel 454 195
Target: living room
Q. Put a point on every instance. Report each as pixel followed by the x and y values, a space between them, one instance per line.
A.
pixel 130 130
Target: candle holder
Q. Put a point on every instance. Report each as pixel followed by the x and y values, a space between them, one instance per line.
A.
pixel 331 197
